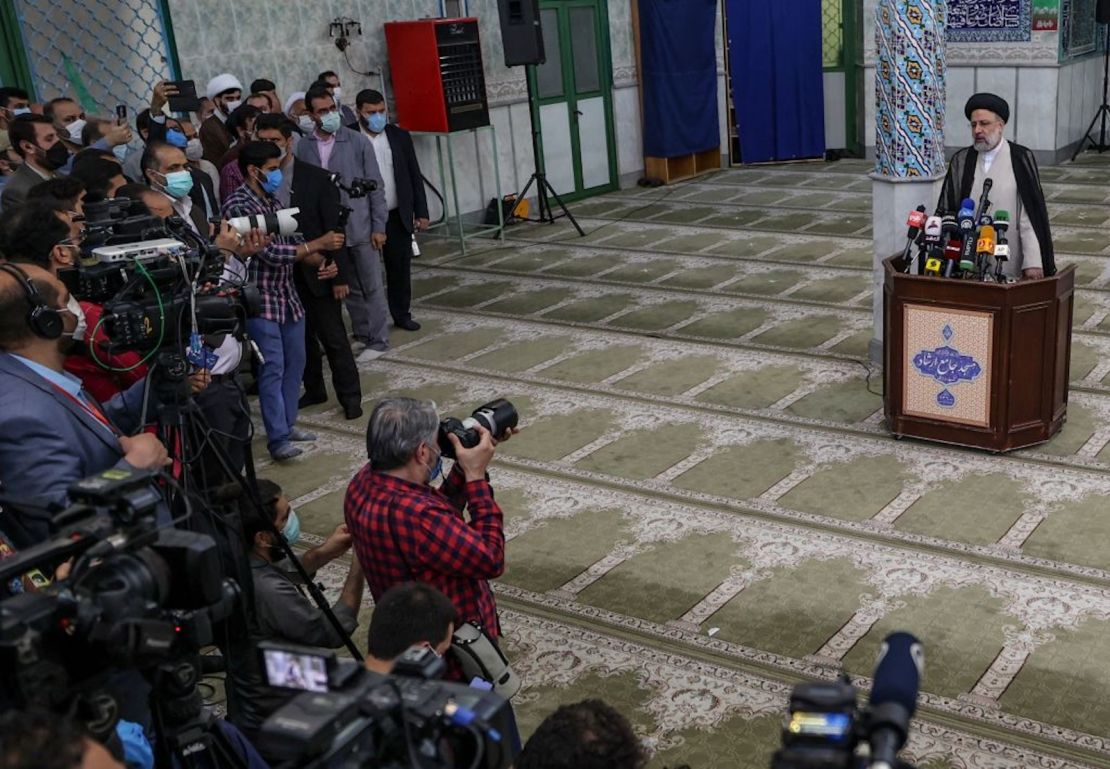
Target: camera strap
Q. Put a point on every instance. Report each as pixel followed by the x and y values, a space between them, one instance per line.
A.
pixel 90 407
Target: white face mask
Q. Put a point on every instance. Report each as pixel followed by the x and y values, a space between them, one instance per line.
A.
pixel 74 130
pixel 73 307
pixel 306 123
pixel 231 106
pixel 194 150
pixel 337 92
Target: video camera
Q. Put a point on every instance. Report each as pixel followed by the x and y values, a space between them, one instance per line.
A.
pixel 160 285
pixel 347 716
pixel 137 597
pixel 496 416
pixel 826 728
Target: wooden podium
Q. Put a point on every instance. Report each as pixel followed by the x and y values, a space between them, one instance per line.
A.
pixel 982 365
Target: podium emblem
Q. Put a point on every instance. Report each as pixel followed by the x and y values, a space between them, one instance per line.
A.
pixel 947 367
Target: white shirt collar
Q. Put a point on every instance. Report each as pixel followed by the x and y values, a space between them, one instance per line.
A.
pixel 990 155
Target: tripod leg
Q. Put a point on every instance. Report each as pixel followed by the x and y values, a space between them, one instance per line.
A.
pixel 1087 135
pixel 566 212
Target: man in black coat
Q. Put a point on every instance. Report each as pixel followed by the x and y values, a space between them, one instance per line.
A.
pixel 405 201
pixel 308 188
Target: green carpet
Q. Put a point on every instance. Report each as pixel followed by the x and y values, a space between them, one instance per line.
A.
pixel 704 506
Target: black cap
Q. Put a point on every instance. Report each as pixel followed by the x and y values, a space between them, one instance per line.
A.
pixel 988 101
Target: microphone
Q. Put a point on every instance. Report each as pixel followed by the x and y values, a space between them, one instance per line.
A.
pixel 967 221
pixel 1001 247
pixel 915 222
pixel 894 696
pixel 932 240
pixel 950 237
pixel 984 203
pixel 984 249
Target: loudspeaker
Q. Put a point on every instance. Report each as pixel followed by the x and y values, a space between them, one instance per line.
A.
pixel 1102 11
pixel 521 34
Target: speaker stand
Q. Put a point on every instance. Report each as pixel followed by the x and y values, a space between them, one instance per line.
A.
pixel 545 193
pixel 1103 113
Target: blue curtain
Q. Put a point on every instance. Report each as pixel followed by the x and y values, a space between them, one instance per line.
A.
pixel 777 78
pixel 678 67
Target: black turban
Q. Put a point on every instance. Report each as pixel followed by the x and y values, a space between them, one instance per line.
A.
pixel 989 101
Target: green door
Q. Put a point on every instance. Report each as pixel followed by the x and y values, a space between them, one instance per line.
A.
pixel 574 90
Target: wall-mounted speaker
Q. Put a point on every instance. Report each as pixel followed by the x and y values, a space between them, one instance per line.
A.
pixel 521 33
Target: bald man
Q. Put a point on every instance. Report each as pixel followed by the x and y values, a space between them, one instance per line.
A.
pixel 52 432
pixel 1016 186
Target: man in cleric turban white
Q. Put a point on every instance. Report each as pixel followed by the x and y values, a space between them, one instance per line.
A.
pixel 226 93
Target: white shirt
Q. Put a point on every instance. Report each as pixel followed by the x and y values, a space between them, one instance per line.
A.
pixel 989 156
pixel 384 154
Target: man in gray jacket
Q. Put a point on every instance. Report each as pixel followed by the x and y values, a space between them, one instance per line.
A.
pixel 348 153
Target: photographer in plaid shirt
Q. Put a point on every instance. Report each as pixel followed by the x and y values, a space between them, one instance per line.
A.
pixel 405 530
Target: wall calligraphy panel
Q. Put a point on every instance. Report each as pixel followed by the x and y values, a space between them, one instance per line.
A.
pixel 989 21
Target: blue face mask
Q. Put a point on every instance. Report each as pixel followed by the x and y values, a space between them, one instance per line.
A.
pixel 330 122
pixel 291 532
pixel 437 468
pixel 272 181
pixel 177 138
pixel 376 122
pixel 179 184
pixel 120 151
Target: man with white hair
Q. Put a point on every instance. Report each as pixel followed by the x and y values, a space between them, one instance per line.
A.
pixel 226 93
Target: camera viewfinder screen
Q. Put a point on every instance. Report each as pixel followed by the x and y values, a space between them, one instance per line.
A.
pixel 288 670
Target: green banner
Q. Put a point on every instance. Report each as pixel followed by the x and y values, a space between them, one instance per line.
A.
pixel 1046 15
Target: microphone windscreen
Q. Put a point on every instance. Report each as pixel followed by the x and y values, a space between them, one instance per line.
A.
pixel 898 671
pixel 967 203
pixel 1002 216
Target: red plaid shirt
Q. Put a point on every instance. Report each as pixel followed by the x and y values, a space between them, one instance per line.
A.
pixel 405 532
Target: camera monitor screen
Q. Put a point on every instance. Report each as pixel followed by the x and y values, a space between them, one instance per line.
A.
pixel 296 670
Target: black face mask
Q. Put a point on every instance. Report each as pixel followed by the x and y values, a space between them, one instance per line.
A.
pixel 55 157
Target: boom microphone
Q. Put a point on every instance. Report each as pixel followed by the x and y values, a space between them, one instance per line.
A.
pixel 894 696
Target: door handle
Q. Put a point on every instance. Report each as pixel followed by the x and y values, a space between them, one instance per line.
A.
pixel 579 112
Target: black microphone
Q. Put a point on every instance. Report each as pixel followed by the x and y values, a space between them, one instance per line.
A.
pixel 894 696
pixel 915 222
pixel 984 203
pixel 967 221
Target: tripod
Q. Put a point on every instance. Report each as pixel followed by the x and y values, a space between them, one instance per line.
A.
pixel 1103 112
pixel 544 191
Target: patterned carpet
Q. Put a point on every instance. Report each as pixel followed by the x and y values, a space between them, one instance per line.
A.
pixel 704 507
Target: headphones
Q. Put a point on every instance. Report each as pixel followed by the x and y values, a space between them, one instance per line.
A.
pixel 45 321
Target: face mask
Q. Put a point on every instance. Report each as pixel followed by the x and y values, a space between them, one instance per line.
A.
pixel 120 151
pixel 337 94
pixel 271 181
pixel 231 106
pixel 21 111
pixel 74 130
pixel 177 139
pixel 73 307
pixel 179 184
pixel 436 469
pixel 306 123
pixel 330 122
pixel 55 157
pixel 292 530
pixel 194 150
pixel 376 122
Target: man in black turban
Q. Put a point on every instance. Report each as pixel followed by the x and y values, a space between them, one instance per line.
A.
pixel 1016 186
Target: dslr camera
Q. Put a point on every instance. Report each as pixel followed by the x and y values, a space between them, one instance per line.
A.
pixel 496 416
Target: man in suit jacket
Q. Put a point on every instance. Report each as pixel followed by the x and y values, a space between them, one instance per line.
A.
pixel 52 433
pixel 308 188
pixel 36 140
pixel 404 199
pixel 225 92
pixel 340 150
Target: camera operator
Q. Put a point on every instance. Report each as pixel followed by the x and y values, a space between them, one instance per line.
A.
pixel 586 735
pixel 409 614
pixel 406 530
pixel 38 739
pixel 52 432
pixel 281 610
pixel 308 188
pixel 279 329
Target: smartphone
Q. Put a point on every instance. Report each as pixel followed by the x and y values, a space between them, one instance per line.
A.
pixel 185 100
pixel 294 667
pixel 121 114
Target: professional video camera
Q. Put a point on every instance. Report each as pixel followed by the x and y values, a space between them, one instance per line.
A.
pixel 826 729
pixel 136 598
pixel 496 416
pixel 349 717
pixel 159 284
